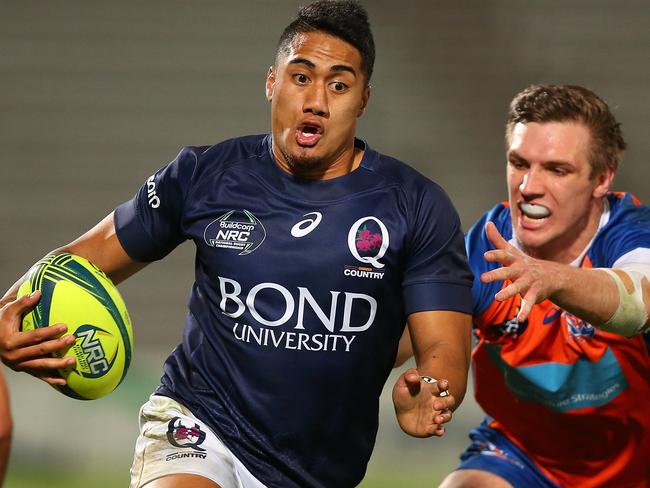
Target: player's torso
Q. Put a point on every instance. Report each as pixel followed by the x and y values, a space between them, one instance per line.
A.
pixel 309 275
pixel 569 394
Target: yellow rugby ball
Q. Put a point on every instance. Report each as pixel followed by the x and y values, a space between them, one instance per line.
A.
pixel 77 293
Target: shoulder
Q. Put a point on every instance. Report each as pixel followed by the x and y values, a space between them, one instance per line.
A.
pixel 392 170
pixel 415 187
pixel 228 152
pixel 628 229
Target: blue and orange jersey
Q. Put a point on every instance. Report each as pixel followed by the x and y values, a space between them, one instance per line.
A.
pixel 574 398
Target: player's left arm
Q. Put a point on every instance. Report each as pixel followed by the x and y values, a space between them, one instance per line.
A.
pixel 615 300
pixel 441 343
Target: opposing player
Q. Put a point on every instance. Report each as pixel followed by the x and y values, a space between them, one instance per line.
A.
pixel 561 300
pixel 312 252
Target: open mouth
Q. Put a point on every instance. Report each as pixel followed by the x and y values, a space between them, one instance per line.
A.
pixel 308 134
pixel 534 211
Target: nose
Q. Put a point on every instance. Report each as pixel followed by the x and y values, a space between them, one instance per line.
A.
pixel 532 185
pixel 316 101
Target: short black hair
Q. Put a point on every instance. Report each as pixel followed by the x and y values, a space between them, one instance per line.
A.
pixel 345 19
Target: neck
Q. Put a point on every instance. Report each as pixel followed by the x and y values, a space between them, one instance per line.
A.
pixel 309 169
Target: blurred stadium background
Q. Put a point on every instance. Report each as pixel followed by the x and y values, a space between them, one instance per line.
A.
pixel 95 96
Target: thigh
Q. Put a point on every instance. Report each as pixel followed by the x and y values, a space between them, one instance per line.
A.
pixel 491 460
pixel 474 478
pixel 182 481
pixel 176 449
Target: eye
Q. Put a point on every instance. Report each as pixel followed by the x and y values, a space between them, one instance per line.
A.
pixel 559 171
pixel 301 79
pixel 517 164
pixel 338 86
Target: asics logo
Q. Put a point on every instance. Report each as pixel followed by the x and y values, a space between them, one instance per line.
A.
pixel 305 226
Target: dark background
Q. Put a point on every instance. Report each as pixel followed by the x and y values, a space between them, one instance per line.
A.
pixel 95 96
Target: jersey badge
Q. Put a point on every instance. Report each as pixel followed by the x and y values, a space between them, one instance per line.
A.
pixel 185 436
pixel 368 242
pixel 578 328
pixel 306 225
pixel 237 229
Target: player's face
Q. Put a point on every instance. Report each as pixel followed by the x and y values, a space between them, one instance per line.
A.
pixel 555 204
pixel 317 92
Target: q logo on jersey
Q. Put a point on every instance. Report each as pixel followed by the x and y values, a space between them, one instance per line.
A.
pixel 368 241
pixel 239 230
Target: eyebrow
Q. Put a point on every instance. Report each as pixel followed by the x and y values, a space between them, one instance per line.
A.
pixel 518 157
pixel 311 65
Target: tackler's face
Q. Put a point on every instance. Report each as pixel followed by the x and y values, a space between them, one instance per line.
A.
pixel 555 202
pixel 317 92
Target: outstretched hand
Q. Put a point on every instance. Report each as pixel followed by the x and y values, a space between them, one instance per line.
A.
pixel 420 410
pixel 31 351
pixel 534 279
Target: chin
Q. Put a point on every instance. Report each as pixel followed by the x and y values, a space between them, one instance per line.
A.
pixel 304 161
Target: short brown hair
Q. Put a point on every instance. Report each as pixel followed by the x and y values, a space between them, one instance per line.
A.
pixel 561 103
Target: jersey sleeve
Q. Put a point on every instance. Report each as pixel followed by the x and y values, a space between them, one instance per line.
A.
pixel 150 225
pixel 437 276
pixel 626 238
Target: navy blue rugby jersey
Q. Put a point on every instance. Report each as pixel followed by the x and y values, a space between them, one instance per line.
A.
pixel 301 294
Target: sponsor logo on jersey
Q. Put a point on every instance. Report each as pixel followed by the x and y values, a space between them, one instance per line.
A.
pixel 154 200
pixel 185 436
pixel 510 330
pixel 577 327
pixel 368 242
pixel 552 315
pixel 238 230
pixel 318 324
pixel 305 226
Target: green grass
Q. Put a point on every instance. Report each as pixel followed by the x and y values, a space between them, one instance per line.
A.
pixel 24 477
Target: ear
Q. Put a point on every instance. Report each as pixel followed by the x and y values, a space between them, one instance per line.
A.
pixel 364 100
pixel 270 83
pixel 603 183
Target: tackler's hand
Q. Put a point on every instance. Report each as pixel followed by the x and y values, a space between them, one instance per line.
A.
pixel 534 279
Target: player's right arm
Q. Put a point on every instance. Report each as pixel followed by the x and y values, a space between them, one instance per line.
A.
pixel 30 351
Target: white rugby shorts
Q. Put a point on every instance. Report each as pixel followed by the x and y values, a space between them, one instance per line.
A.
pixel 173 441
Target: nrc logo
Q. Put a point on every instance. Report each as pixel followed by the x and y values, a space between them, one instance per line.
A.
pixel 92 357
pixel 232 235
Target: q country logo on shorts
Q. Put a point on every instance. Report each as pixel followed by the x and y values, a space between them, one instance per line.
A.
pixel 368 242
pixel 182 435
pixel 237 229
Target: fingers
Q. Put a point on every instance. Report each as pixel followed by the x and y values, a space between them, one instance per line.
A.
pixel 506 258
pixel 36 337
pixel 412 380
pixel 526 306
pixel 24 304
pixel 23 351
pixel 13 312
pixel 51 377
pixel 495 238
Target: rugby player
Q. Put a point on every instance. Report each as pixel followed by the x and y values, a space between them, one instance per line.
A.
pixel 313 251
pixel 561 301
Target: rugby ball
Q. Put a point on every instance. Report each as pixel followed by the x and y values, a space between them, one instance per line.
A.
pixel 77 293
